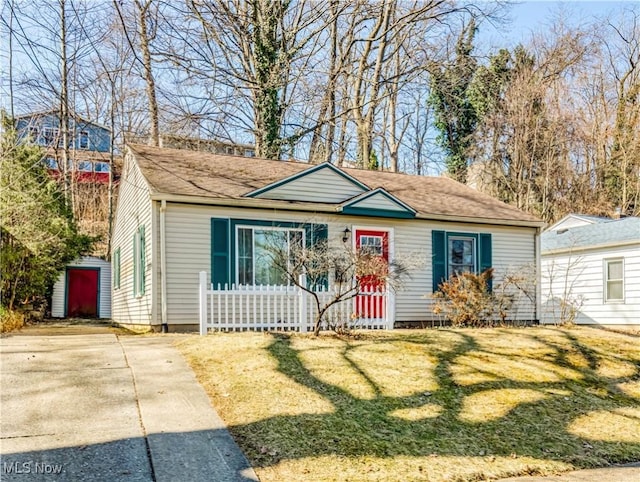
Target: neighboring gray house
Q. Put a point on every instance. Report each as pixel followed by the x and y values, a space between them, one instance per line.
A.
pixel 181 212
pixel 591 271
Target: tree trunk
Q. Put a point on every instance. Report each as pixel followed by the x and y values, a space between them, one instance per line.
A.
pixel 148 71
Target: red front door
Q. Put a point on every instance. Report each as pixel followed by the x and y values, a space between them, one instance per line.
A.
pixel 370 304
pixel 82 293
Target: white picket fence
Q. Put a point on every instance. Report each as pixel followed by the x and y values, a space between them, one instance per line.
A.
pixel 286 308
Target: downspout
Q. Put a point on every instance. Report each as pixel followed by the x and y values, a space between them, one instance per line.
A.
pixel 163 268
pixel 538 312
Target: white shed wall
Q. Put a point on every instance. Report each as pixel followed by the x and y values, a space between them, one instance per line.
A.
pixel 188 252
pixel 578 277
pixel 104 301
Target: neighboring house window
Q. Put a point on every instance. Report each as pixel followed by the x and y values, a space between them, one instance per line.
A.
pixel 116 269
pixel 229 150
pixel 249 153
pixel 101 166
pixel 34 132
pixel 138 261
pixel 51 163
pixel 85 166
pixel 83 140
pixel 614 280
pixel 455 253
pixel 50 136
pixel 258 254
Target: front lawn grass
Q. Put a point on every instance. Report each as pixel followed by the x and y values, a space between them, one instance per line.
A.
pixel 436 405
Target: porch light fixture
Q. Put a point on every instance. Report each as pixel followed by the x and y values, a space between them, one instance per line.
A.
pixel 345 234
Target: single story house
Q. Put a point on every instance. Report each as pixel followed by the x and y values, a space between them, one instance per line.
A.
pixel 591 271
pixel 182 212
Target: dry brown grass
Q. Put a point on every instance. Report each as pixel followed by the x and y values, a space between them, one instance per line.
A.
pixel 465 404
pixel 10 320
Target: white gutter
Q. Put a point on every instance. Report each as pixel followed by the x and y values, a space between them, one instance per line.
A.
pixel 324 208
pixel 163 266
pixel 538 254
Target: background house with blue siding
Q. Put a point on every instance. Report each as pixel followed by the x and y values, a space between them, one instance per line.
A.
pixel 83 289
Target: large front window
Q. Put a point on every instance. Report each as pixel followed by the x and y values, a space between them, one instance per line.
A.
pixel 264 255
pixel 461 255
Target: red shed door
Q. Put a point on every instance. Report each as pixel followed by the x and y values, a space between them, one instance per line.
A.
pixel 82 293
pixel 370 305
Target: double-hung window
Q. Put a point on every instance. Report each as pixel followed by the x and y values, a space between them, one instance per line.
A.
pixel 138 261
pixel 454 253
pixel 265 255
pixel 613 280
pixel 461 255
pixel 50 136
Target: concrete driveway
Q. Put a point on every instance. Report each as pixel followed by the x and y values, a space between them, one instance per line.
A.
pixel 105 407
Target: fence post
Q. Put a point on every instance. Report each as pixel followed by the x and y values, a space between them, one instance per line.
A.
pixel 203 302
pixel 302 305
pixel 391 308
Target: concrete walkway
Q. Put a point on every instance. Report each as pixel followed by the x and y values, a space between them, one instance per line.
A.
pixel 626 473
pixel 99 407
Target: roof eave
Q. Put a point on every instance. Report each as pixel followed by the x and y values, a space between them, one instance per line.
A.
pixel 592 247
pixel 261 203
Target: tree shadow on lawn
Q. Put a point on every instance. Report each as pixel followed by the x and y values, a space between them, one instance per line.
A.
pixel 538 426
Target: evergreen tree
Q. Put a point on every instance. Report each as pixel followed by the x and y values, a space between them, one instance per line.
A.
pixel 38 234
pixel 455 115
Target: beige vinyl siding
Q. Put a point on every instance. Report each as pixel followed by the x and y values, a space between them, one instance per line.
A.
pixel 512 252
pixel 578 277
pixel 378 201
pixel 323 186
pixel 59 294
pixel 188 231
pixel 134 209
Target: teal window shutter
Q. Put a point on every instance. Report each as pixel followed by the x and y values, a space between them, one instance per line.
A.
pixel 486 255
pixel 142 261
pixel 220 252
pixel 439 258
pixel 134 251
pixel 316 235
pixel 116 268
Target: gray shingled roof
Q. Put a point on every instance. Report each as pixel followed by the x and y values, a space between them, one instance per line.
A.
pixel 602 233
pixel 203 174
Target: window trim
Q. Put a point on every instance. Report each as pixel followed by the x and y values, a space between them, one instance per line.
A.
pixel 606 281
pixel 139 262
pixel 51 136
pixel 462 237
pixel 253 229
